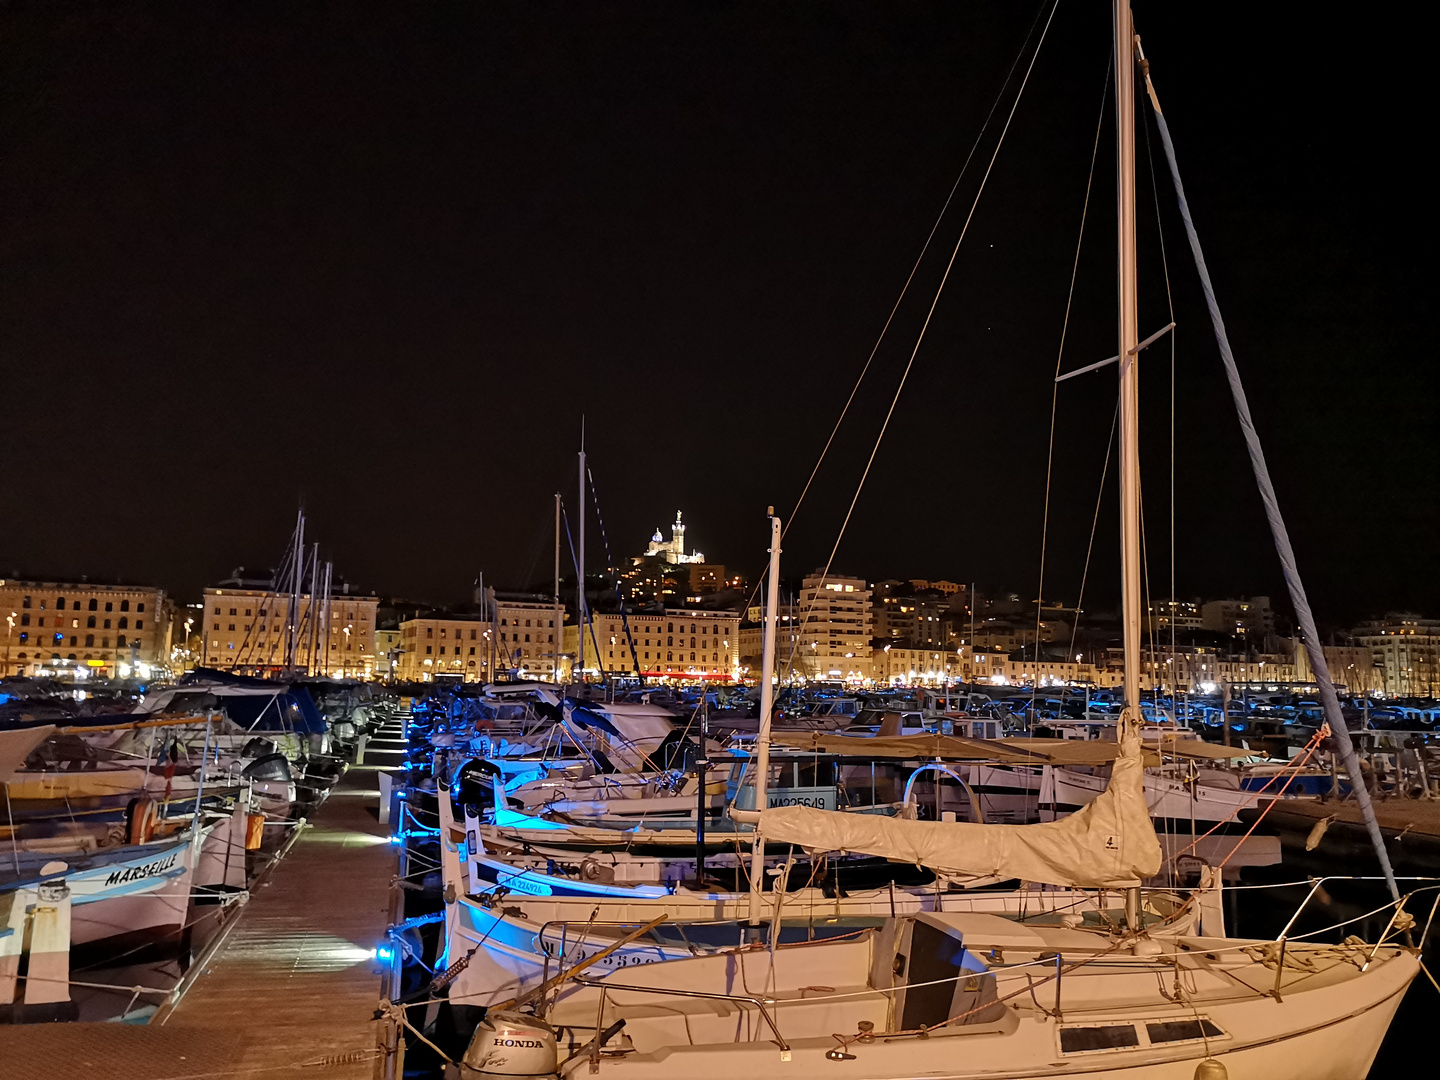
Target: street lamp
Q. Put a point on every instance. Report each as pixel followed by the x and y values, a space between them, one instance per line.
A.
pixel 9 629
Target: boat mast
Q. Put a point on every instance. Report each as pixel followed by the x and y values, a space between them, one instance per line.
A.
pixel 1129 361
pixel 313 612
pixel 297 568
pixel 580 561
pixel 761 759
pixel 1129 333
pixel 559 620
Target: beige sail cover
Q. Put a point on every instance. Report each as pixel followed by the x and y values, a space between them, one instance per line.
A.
pixel 1108 843
pixel 16 744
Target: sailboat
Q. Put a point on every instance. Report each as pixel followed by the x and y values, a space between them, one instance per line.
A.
pixel 970 995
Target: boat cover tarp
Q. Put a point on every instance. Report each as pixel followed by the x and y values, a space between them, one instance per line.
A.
pixel 1010 751
pixel 16 745
pixel 1109 843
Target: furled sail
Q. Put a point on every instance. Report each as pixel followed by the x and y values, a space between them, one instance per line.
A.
pixel 1109 843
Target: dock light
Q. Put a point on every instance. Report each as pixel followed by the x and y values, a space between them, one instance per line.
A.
pixel 384 952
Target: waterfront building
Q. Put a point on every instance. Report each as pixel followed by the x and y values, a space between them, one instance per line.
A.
pixel 835 628
pixel 249 626
pixel 901 665
pixel 515 642
pixel 84 628
pixel 682 644
pixel 1405 649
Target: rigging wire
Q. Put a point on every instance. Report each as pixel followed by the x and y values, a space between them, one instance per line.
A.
pixel 1094 523
pixel 1059 359
pixel 935 301
pixel 619 593
pixel 1170 306
pixel 904 289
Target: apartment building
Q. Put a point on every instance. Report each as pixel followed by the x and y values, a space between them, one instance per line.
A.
pixel 683 644
pixel 250 627
pixel 516 642
pixel 1405 649
pixel 83 628
pixel 835 628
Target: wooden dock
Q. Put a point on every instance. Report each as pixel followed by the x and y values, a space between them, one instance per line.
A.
pixel 291 992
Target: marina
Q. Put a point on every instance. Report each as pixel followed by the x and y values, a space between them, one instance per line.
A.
pixel 630 812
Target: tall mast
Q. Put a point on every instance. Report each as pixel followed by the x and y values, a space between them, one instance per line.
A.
pixel 1129 360
pixel 761 759
pixel 313 612
pixel 580 559
pixel 297 568
pixel 326 630
pixel 559 619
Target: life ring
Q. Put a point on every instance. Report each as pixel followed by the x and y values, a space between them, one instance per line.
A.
pixel 141 818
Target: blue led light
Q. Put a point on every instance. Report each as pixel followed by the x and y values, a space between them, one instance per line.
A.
pixel 384 952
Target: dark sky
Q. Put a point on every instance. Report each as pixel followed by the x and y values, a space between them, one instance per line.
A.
pixel 380 259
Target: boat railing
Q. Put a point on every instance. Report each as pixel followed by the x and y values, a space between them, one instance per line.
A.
pixel 670 991
pixel 1395 922
pixel 542 944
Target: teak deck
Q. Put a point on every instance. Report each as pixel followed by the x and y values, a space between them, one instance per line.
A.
pixel 289 995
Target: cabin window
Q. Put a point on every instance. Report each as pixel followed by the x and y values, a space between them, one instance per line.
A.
pixel 1169 1031
pixel 1081 1040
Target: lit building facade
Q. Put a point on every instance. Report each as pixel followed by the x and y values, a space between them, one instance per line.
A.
pixel 248 628
pixel 681 644
pixel 84 628
pixel 518 644
pixel 669 575
pixel 835 629
pixel 1405 650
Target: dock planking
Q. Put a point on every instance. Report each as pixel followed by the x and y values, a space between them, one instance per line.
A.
pixel 290 994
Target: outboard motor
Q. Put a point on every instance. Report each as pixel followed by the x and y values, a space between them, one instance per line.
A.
pixel 511 1045
pixel 269 767
pixel 257 748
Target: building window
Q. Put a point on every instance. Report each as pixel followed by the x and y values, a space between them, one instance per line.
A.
pixel 24 637
pixel 429 631
pixel 217 610
pixel 94 604
pixel 472 650
pixel 104 642
pixel 527 636
pixel 89 641
pixel 232 612
pixel 428 649
pixel 232 626
pixel 25 602
pixel 107 623
pixel 90 621
pixel 25 619
pixel 669 656
pixel 60 603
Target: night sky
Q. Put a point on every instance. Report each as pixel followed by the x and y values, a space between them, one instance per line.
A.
pixel 380 260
